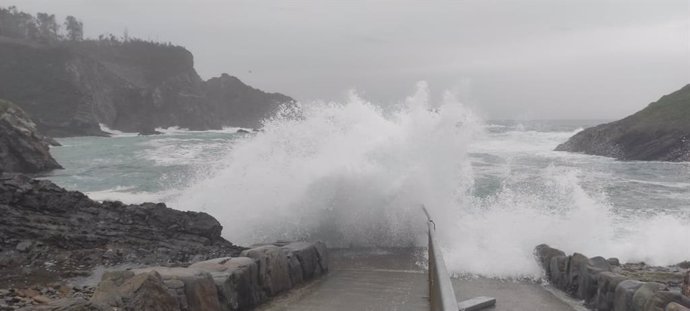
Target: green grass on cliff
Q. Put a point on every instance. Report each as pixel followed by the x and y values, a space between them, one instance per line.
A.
pixel 671 111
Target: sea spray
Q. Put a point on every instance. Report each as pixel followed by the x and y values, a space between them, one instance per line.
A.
pixel 353 174
pixel 348 173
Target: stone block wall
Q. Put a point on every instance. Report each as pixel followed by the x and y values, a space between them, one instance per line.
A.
pixel 597 282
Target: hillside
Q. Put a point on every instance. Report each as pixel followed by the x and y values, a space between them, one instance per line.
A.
pixel 660 132
pixel 133 86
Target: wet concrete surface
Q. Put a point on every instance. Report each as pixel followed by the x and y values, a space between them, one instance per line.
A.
pixel 396 279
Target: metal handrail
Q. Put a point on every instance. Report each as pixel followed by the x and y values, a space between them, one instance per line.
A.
pixel 441 293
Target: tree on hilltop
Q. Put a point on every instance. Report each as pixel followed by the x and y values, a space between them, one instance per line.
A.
pixel 75 29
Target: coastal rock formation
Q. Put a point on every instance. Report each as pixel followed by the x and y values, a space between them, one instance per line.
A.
pixel 133 86
pixel 607 287
pixel 660 132
pixel 55 234
pixel 22 148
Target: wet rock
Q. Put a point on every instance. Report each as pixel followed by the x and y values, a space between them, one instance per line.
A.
pixel 313 257
pixel 274 272
pixel 237 280
pixel 558 271
pixel 588 281
pixel 625 291
pixel 661 299
pixel 55 234
pixel 198 292
pixel 685 289
pixel 644 294
pixel 544 253
pixel 144 291
pixel 614 261
pixel 606 291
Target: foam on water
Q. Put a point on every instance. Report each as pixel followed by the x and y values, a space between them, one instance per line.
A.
pixel 353 174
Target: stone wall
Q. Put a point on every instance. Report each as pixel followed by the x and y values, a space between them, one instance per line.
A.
pixel 604 286
pixel 221 284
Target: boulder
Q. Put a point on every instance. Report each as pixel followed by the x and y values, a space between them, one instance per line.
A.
pixel 644 294
pixel 544 253
pixel 558 271
pixel 661 299
pixel 623 297
pixel 198 291
pixel 588 281
pixel 237 280
pixel 312 257
pixel 606 291
pixel 576 265
pixel 145 292
pixel 273 267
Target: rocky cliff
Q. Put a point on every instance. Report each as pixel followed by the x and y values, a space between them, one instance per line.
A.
pixel 22 148
pixel 69 88
pixel 660 132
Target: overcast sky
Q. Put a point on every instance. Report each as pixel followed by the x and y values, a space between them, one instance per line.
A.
pixel 531 59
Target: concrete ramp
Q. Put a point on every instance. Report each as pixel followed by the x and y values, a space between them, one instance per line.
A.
pixel 392 279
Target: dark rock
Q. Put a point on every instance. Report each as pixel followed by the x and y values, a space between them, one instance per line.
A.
pixel 22 148
pixel 312 257
pixel 660 132
pixel 558 271
pixel 625 291
pixel 274 271
pixel 644 294
pixel 661 299
pixel 72 234
pixel 198 291
pixel 243 131
pixel 606 291
pixel 614 261
pixel 588 282
pixel 544 253
pixel 144 292
pixel 685 288
pixel 237 280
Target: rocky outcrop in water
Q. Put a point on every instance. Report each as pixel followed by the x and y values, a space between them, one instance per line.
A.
pixel 605 285
pixel 133 86
pixel 54 234
pixel 660 132
pixel 22 148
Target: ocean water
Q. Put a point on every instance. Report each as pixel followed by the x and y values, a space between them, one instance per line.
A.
pixel 354 174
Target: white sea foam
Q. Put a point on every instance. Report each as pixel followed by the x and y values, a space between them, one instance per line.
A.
pixel 115 133
pixel 173 130
pixel 352 174
pixel 129 196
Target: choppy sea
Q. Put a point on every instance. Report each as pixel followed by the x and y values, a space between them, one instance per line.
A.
pixel 352 173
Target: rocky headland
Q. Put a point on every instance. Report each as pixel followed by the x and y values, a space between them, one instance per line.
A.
pixel 69 85
pixel 55 245
pixel 608 285
pixel 22 148
pixel 660 132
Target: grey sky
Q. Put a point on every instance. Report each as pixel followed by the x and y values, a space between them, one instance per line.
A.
pixel 509 59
